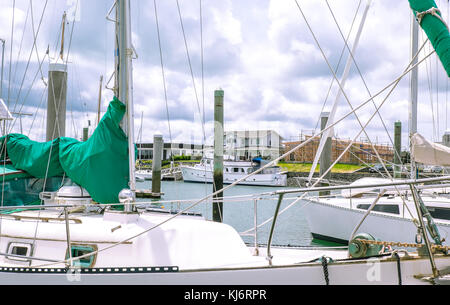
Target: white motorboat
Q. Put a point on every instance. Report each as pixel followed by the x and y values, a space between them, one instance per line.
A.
pixel 146 174
pixel 234 171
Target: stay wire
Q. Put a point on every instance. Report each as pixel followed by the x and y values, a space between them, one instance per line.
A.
pixel 342 88
pixel 393 84
pixel 11 53
pixel 191 70
pixel 337 66
pixel 163 75
pixel 28 62
pixel 363 80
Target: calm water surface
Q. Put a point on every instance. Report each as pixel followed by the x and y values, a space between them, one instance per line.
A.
pixel 292 227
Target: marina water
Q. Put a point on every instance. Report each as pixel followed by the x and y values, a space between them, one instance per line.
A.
pixel 291 229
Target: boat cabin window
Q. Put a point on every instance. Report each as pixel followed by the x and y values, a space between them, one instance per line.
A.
pixel 81 250
pixel 385 208
pixel 25 191
pixel 19 249
pixel 439 213
pixel 236 170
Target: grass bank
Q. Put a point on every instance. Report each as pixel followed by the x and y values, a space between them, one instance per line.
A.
pixel 306 167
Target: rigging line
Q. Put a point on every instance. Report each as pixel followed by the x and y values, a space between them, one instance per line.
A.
pixel 203 92
pixel 71 109
pixel 338 65
pixel 31 53
pixel 20 46
pixel 191 71
pixel 57 112
pixel 5 123
pixel 8 99
pixel 429 82
pixel 202 117
pixel 163 72
pixel 27 94
pixel 362 77
pixel 37 110
pixel 341 86
pixel 437 96
pixel 202 59
pixel 36 48
pixel 58 40
pixel 10 55
pixel 394 84
pixel 166 100
pixel 281 212
pixel 446 84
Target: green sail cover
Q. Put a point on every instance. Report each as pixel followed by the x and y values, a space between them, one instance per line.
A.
pixel 435 29
pixel 33 157
pixel 100 165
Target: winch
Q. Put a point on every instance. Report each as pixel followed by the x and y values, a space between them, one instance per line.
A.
pixel 359 249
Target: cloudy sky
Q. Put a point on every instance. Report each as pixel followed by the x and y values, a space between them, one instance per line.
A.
pixel 260 52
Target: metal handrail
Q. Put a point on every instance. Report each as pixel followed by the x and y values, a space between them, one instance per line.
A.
pixel 272 229
pixel 345 187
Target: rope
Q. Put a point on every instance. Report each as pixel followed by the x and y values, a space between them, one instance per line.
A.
pixel 432 11
pixel 324 261
pixel 399 269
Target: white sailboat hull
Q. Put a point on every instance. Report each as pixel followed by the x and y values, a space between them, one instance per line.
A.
pixel 334 222
pixel 360 272
pixel 200 253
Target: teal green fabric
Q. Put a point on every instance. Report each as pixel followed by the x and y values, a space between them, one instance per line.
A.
pixel 40 160
pixel 100 165
pixel 435 29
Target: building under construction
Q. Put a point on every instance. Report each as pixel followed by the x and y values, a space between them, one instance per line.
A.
pixel 361 152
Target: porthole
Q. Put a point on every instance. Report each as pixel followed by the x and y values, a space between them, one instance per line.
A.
pixel 19 249
pixel 81 250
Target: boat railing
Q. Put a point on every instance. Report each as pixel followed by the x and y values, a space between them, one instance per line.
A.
pixel 412 184
pixel 281 194
pixel 366 186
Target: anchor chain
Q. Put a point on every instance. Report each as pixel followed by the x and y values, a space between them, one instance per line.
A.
pixel 403 245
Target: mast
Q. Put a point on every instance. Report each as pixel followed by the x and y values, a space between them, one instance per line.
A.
pixel 99 100
pixel 124 82
pixel 413 89
pixel 61 53
pixel 328 134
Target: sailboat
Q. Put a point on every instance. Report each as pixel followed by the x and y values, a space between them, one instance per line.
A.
pixel 78 235
pixel 388 211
